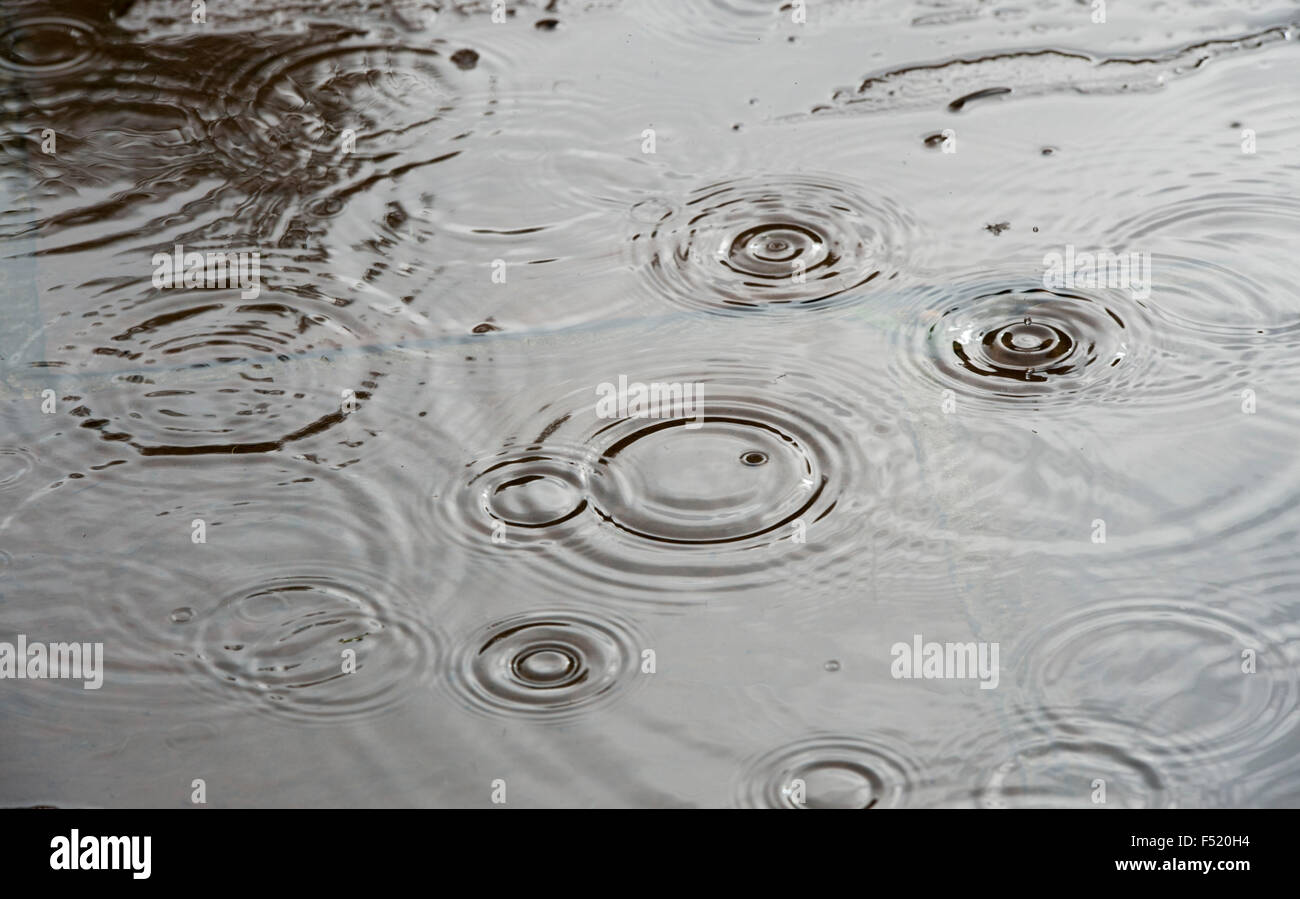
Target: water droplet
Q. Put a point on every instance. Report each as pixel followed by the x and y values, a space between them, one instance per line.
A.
pixel 990 342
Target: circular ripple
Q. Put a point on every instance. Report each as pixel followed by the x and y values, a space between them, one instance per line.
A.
pixel 281 644
pixel 1059 765
pixel 830 772
pixel 709 481
pixel 532 496
pixel 769 243
pixel 1220 266
pixel 1027 343
pixel 1176 664
pixel 216 373
pixel 85 597
pixel 761 483
pixel 46 46
pixel 15 464
pixel 289 114
pixel 531 492
pixel 547 665
pixel 1005 342
pixel 533 499
pixel 119 112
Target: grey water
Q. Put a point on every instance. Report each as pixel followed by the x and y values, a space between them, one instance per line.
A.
pixel 649 403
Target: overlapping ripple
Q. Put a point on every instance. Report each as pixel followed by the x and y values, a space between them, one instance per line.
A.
pixel 335 101
pixel 1075 761
pixel 1198 245
pixel 823 474
pixel 197 373
pixel 761 480
pixel 521 496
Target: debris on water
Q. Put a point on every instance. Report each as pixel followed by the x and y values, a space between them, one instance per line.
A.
pixel 1032 73
pixel 465 59
pixel 960 103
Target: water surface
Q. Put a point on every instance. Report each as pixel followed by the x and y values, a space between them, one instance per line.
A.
pixel 388 448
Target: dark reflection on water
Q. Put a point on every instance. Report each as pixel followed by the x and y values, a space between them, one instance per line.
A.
pixel 380 383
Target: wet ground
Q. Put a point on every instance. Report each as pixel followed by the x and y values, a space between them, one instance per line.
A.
pixel 358 530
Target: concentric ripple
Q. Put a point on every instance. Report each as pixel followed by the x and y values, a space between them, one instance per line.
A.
pixel 830 772
pixel 552 665
pixel 156 602
pixel 299 111
pixel 771 242
pixel 532 496
pixel 1191 667
pixel 1027 343
pixel 759 482
pixel 1197 246
pixel 46 46
pixel 706 482
pixel 90 597
pixel 1076 761
pixel 285 647
pixel 15 464
pixel 1011 344
pixel 215 373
